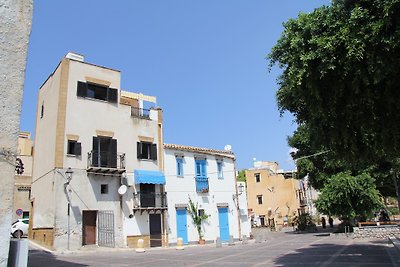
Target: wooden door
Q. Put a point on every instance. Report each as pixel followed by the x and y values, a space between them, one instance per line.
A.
pixel 89 218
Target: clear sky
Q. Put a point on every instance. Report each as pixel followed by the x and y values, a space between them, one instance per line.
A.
pixel 204 61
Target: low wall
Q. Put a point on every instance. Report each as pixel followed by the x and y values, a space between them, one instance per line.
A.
pixel 43 237
pixel 383 231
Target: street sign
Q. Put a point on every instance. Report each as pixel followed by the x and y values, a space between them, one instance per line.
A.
pixel 19 212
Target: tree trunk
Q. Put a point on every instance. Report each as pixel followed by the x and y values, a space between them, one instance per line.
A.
pixel 396 186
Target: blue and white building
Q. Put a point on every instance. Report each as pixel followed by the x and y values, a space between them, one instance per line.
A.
pixel 208 177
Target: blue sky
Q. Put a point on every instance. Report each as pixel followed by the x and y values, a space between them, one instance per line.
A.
pixel 203 60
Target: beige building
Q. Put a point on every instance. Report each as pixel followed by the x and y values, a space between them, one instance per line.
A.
pixel 271 195
pixel 97 176
pixel 22 188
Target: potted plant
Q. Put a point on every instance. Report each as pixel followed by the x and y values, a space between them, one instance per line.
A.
pixel 197 219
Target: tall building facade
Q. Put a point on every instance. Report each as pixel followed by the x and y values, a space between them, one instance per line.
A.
pixel 97 171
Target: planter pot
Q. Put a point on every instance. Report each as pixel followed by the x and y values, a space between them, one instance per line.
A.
pixel 202 241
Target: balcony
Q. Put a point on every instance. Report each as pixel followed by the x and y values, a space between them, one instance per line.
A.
pixel 202 184
pixel 104 162
pixel 301 195
pixel 141 113
pixel 149 201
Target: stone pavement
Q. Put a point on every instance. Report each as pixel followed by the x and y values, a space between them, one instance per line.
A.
pixel 279 249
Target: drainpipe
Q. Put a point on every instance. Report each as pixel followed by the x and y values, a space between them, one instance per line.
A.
pixel 237 200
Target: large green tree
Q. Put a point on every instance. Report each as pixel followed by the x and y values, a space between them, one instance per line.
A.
pixel 340 77
pixel 347 196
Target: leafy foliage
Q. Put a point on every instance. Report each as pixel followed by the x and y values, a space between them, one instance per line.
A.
pixel 348 196
pixel 196 217
pixel 306 223
pixel 340 71
pixel 241 176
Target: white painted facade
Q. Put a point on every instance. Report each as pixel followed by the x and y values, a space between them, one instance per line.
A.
pixel 221 193
pixel 245 220
pixel 62 117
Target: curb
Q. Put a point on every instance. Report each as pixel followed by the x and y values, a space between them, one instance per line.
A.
pixel 396 242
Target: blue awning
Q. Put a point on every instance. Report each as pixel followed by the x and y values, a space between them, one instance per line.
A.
pixel 149 177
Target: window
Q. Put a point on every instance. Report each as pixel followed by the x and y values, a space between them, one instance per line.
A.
pixel 201 212
pixel 74 148
pixel 259 199
pixel 146 150
pixel 219 169
pixel 42 111
pixel 179 166
pixel 104 188
pixel 201 176
pixel 104 153
pixel 262 220
pixel 257 176
pixel 96 91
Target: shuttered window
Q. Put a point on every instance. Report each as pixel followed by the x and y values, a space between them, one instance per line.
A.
pixel 96 91
pixel 104 153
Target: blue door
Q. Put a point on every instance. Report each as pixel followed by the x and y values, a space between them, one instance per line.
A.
pixel 181 225
pixel 223 224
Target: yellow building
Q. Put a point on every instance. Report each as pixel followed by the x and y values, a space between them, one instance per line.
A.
pixel 22 187
pixel 271 195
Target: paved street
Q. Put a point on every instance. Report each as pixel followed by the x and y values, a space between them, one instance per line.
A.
pixel 280 249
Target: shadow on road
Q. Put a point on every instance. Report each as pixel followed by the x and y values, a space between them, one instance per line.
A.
pixel 40 258
pixel 372 254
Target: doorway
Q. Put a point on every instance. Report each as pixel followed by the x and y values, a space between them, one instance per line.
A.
pixel 223 223
pixel 89 218
pixel 155 230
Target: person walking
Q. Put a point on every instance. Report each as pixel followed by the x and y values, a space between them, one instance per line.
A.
pixel 323 222
pixel 330 220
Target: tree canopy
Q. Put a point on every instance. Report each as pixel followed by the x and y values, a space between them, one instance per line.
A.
pixel 340 70
pixel 348 196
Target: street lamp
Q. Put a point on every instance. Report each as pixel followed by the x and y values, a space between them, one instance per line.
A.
pixel 68 174
pixel 241 189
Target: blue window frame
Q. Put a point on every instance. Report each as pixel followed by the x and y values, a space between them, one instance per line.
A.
pixel 179 167
pixel 220 170
pixel 201 176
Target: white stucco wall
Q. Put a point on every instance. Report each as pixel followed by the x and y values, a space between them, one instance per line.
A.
pixel 179 189
pixel 244 216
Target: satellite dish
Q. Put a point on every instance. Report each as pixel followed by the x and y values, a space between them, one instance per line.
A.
pixel 122 189
pixel 228 147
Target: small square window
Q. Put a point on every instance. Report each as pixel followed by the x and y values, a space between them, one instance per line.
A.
pixel 259 199
pixel 258 178
pixel 74 148
pixel 104 189
pixel 201 212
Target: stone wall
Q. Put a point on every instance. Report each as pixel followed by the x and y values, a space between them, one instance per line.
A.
pixel 43 237
pixel 376 231
pixel 15 27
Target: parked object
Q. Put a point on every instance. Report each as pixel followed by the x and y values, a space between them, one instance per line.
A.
pixel 20 228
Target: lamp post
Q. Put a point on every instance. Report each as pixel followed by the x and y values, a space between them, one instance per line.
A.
pixel 68 175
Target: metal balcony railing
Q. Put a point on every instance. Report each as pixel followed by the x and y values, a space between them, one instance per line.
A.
pixel 149 200
pixel 105 159
pixel 202 184
pixel 141 113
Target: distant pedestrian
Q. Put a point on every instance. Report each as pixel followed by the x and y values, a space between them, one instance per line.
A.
pixel 323 222
pixel 330 220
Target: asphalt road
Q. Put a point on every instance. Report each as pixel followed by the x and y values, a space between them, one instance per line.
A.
pixel 279 249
